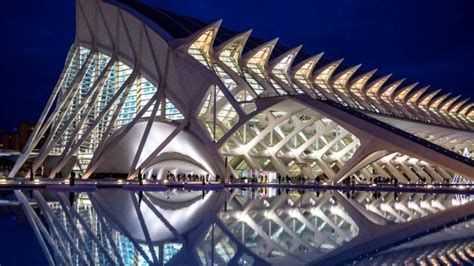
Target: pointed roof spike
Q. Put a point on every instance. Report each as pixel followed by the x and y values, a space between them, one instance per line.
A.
pixel 449 102
pixel 356 67
pixel 465 108
pixel 359 82
pixel 216 24
pixel 455 108
pixel 470 113
pixel 343 77
pixel 426 98
pixel 390 88
pixel 403 92
pixel 290 53
pixel 240 38
pixel 435 102
pixel 325 72
pixel 251 54
pixel 411 86
pixel 375 85
pixel 306 67
pixel 185 43
pixel 414 96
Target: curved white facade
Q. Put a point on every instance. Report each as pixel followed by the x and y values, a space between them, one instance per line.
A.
pixel 183 149
pixel 183 211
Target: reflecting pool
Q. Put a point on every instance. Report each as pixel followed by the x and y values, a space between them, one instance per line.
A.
pixel 264 226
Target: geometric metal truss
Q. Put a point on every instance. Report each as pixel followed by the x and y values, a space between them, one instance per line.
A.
pixel 266 226
pixel 288 225
pixel 291 143
pixel 297 227
pixel 134 69
pixel 405 169
pixel 458 249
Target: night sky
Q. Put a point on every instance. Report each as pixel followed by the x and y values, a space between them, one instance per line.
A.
pixel 426 41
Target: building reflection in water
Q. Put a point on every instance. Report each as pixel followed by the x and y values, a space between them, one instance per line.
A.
pixel 260 226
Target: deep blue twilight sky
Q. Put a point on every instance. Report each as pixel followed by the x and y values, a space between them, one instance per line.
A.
pixel 426 41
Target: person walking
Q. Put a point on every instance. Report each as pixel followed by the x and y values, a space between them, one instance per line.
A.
pixel 72 178
pixel 140 177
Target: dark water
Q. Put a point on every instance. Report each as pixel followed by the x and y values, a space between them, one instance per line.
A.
pixel 17 239
pixel 237 227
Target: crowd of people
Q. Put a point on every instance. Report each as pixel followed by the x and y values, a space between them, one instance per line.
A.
pixel 286 179
pixel 181 177
pixel 260 179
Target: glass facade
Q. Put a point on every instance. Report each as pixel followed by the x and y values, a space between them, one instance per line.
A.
pixel 98 107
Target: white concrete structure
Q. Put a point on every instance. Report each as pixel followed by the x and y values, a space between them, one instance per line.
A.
pixel 134 70
pixel 254 227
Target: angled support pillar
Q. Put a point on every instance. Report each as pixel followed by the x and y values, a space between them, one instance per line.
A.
pixel 53 230
pixel 389 209
pixel 395 172
pixel 101 219
pixel 317 233
pixel 270 245
pixel 144 228
pixel 52 220
pixel 262 104
pixel 160 147
pixel 125 89
pixel 298 129
pixel 112 145
pixel 87 229
pixel 76 231
pixel 211 146
pixel 144 138
pixel 391 138
pixel 164 220
pixel 83 108
pixel 331 224
pixel 362 217
pixel 30 216
pixel 39 125
pixel 328 171
pixel 321 130
pixel 103 212
pixel 240 247
pixel 369 151
pixel 279 165
pixel 113 119
pixel 50 102
pixel 67 98
pixel 285 227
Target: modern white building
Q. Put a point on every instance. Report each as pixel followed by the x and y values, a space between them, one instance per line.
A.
pixel 250 227
pixel 143 88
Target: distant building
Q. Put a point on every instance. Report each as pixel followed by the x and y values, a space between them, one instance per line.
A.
pixel 12 144
pixel 17 138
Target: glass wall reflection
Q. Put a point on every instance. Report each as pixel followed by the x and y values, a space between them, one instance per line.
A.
pixel 240 226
